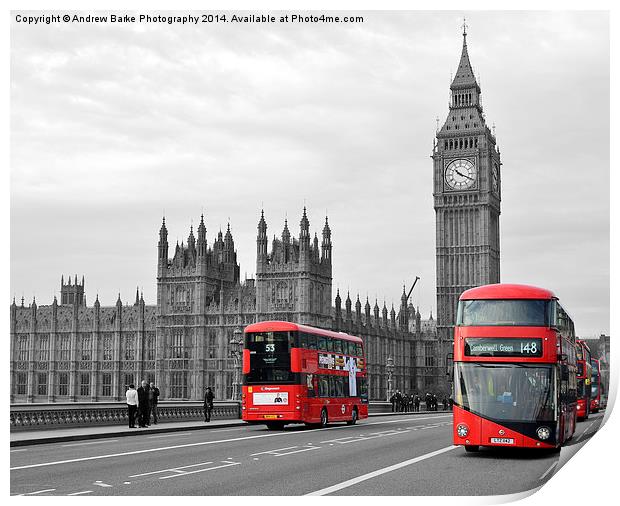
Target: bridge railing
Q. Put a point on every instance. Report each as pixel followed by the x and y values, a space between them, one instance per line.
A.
pixel 78 414
pixel 48 416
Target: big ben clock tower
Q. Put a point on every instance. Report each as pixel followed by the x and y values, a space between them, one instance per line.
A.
pixel 467 194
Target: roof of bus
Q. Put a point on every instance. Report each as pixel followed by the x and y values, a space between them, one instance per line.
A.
pixel 274 326
pixel 583 343
pixel 507 291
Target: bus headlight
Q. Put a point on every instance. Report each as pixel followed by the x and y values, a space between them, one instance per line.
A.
pixel 543 433
pixel 462 430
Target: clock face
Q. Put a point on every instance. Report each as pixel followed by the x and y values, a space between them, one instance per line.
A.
pixel 495 178
pixel 460 174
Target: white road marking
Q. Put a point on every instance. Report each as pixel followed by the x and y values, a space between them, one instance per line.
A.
pixel 39 491
pixel 21 450
pixel 308 448
pixel 126 483
pixel 99 483
pixel 271 451
pixel 178 469
pixel 201 443
pixel 170 435
pixel 549 470
pixel 585 430
pixel 379 472
pixel 226 464
pixel 82 492
pixel 92 443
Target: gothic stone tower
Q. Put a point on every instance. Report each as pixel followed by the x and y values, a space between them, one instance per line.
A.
pixel 187 284
pixel 294 282
pixel 466 168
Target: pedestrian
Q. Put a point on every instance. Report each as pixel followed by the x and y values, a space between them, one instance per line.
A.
pixel 153 400
pixel 143 403
pixel 393 401
pixel 416 403
pixel 434 401
pixel 132 405
pixel 208 404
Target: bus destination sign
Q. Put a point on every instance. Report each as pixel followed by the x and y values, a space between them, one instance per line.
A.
pixel 503 347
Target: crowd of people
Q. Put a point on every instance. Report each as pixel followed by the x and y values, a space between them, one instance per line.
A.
pixel 405 403
pixel 142 404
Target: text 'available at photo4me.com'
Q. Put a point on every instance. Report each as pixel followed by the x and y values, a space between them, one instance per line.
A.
pixel 194 18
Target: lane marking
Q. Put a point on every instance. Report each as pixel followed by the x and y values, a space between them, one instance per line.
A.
pixel 585 430
pixel 20 450
pixel 227 464
pixel 379 472
pixel 39 491
pixel 169 435
pixel 177 469
pixel 82 492
pixel 549 470
pixel 99 483
pixel 201 443
pixel 270 451
pixel 308 448
pixel 92 443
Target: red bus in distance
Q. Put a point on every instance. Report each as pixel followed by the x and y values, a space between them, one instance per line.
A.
pixel 584 379
pixel 596 390
pixel 294 373
pixel 514 369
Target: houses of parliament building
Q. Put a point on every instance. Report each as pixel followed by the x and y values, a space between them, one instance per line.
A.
pixel 68 351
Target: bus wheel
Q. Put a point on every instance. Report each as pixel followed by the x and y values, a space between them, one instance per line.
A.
pixel 472 448
pixel 324 419
pixel 353 417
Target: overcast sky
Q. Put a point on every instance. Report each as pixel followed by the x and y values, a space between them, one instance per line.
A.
pixel 113 125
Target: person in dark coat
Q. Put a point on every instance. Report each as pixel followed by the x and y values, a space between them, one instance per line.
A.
pixel 143 404
pixel 416 403
pixel 153 400
pixel 393 401
pixel 208 404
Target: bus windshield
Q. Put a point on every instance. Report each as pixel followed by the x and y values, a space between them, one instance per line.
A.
pixel 270 360
pixel 528 312
pixel 515 392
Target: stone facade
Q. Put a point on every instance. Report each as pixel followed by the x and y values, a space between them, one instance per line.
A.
pixel 73 352
pixel 467 193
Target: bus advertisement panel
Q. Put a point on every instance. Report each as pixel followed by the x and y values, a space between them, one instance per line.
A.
pixel 299 374
pixel 514 369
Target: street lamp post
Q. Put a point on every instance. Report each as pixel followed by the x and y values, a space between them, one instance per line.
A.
pixel 235 347
pixel 390 368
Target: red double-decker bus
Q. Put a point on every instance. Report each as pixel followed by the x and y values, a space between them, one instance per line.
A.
pixel 294 373
pixel 596 387
pixel 584 379
pixel 514 369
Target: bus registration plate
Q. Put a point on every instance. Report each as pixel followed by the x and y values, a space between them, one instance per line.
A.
pixel 270 417
pixel 503 440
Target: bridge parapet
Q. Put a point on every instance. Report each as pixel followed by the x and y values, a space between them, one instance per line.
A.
pixel 48 416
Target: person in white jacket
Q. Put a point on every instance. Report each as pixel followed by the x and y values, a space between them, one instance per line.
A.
pixel 132 405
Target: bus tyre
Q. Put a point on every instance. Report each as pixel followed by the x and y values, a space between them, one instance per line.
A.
pixel 472 448
pixel 353 420
pixel 324 419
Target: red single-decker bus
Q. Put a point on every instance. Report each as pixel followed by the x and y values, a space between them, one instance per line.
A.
pixel 514 369
pixel 294 373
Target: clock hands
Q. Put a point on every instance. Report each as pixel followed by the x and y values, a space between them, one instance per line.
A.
pixel 463 175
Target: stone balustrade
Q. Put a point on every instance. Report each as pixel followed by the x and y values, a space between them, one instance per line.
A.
pixel 49 416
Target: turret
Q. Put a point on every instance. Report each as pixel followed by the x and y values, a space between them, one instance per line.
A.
pixel 162 247
pixel 261 239
pixel 229 245
pixel 304 234
pixel 201 244
pixel 367 312
pixel 358 309
pixel 326 245
pixel 385 315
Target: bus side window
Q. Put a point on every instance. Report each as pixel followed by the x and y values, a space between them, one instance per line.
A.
pixel 323 386
pixel 311 341
pixel 310 385
pixel 302 340
pixel 330 344
pixel 322 343
pixel 337 345
pixel 340 386
pixel 358 350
